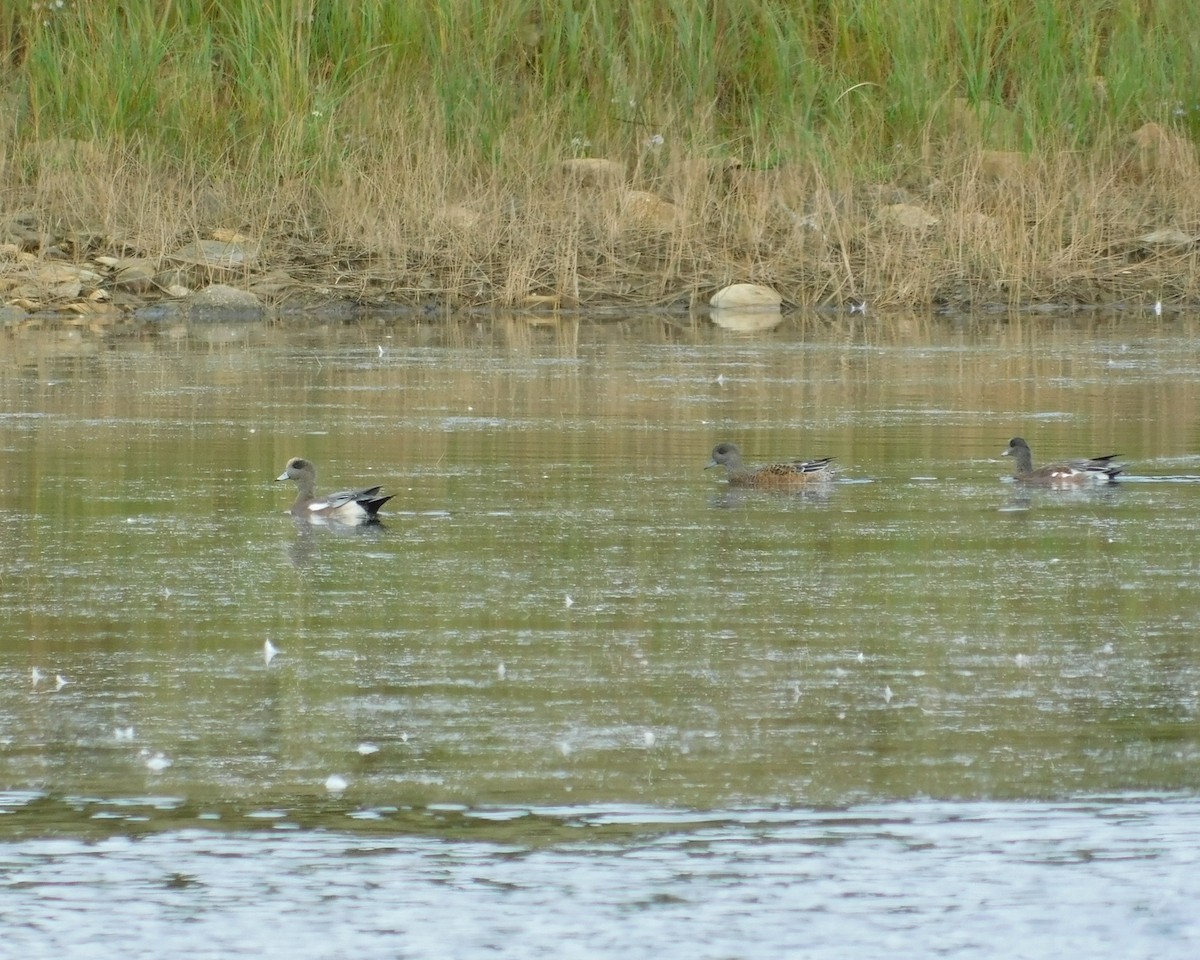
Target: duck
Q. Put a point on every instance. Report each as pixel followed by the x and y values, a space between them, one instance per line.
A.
pixel 792 475
pixel 345 506
pixel 1072 472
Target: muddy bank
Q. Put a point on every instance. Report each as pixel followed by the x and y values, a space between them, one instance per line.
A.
pixel 69 277
pixel 982 231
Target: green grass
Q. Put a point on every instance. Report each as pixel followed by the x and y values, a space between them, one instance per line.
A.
pixel 331 110
pixel 218 79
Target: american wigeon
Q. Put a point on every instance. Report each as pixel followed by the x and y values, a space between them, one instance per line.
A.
pixel 1095 470
pixel 774 476
pixel 346 506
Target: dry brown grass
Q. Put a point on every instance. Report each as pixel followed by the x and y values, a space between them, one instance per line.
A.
pixel 407 224
pixel 469 153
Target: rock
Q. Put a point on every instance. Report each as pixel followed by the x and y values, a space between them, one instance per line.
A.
pixel 177 277
pixel 1168 237
pixel 883 194
pixel 136 275
pixel 67 290
pixel 68 153
pixel 743 296
pixel 542 301
pixel 230 236
pixel 24 231
pixel 10 314
pixel 94 309
pixel 594 171
pixel 980 223
pixel 647 209
pixel 1003 165
pixel 273 284
pixel 759 184
pixel 985 122
pixel 219 301
pixel 39 279
pixel 909 216
pixel 714 170
pixel 217 256
pixel 458 216
pixel 1154 151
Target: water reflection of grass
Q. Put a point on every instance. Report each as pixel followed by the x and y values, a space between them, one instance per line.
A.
pixel 894 153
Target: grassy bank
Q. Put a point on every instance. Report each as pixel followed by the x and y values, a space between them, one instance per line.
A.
pixel 902 153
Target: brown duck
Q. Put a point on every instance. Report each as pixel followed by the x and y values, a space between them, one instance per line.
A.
pixel 792 475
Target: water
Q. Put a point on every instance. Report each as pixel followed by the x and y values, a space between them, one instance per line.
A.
pixel 978 880
pixel 575 694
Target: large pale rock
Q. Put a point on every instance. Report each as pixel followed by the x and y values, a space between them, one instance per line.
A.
pixel 1155 151
pixel 225 235
pixel 25 231
pixel 909 216
pixel 135 274
pixel 743 296
pixel 67 290
pixel 216 254
pixel 646 209
pixel 458 216
pixel 1005 166
pixel 219 301
pixel 594 171
pixel 1169 237
pixel 986 122
pixel 36 279
pixel 708 170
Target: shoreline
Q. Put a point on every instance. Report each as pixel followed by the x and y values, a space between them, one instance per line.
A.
pixel 529 157
pixel 47 282
pixel 974 230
